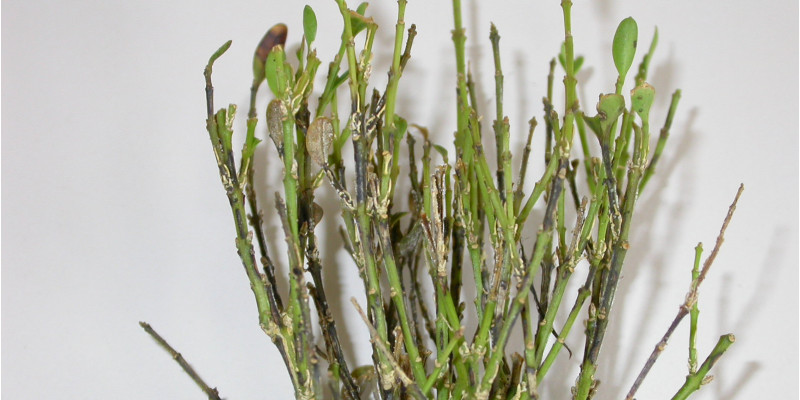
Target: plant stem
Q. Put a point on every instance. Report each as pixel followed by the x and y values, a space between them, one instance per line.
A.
pixel 212 393
pixel 395 71
pixel 413 389
pixel 501 129
pixel 543 237
pixel 695 312
pixel 695 380
pixel 662 140
pixel 396 293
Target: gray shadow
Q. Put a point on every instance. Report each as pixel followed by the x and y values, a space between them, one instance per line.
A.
pixel 521 127
pixel 662 77
pixel 763 289
pixel 751 370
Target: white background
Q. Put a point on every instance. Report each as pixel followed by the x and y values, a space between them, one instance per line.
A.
pixel 113 211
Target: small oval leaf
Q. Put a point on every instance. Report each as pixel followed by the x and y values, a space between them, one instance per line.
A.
pixel 275 61
pixel 624 46
pixel 309 24
pixel 578 63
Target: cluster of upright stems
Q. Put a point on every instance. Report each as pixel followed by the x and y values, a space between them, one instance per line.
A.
pixel 463 224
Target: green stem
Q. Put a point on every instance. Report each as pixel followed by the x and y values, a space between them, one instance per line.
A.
pixel 662 140
pixel 538 189
pixel 543 237
pixel 570 83
pixel 395 72
pixel 583 294
pixel 695 380
pixel 501 130
pixel 695 312
pixel 347 39
pixel 440 363
pixel 610 277
pixel 396 293
pixel 565 270
pixel 523 169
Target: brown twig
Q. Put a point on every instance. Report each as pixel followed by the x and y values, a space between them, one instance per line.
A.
pixel 212 393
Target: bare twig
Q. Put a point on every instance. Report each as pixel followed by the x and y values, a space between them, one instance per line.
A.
pixel 212 393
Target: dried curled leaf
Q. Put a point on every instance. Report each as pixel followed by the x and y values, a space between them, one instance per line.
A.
pixel 318 212
pixel 276 112
pixel 319 140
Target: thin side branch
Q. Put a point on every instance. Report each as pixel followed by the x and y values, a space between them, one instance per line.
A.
pixel 212 393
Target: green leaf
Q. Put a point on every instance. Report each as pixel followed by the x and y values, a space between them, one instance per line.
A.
pixel 274 36
pixel 645 64
pixel 224 118
pixel 341 79
pixel 275 61
pixel 357 18
pixel 642 99
pixel 362 8
pixel 288 75
pixel 217 54
pixel 309 24
pixel 624 47
pixel 609 108
pixel 359 22
pixel 401 125
pixel 251 142
pixel 594 125
pixel 442 151
pixel 578 63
